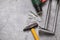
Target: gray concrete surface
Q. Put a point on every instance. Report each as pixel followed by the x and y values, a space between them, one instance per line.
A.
pixel 14 18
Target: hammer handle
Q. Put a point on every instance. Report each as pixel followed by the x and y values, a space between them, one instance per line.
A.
pixel 34 34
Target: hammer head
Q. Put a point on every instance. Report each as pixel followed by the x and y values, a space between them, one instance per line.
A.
pixel 34 25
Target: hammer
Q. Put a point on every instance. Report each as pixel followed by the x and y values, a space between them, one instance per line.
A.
pixel 32 29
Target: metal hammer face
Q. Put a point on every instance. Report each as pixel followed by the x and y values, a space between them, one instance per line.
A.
pixel 34 25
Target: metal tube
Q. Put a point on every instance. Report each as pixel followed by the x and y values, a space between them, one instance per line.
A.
pixel 48 15
pixel 56 15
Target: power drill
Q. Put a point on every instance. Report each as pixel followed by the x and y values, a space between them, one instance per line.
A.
pixel 38 5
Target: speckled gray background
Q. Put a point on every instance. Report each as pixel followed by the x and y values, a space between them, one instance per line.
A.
pixel 13 19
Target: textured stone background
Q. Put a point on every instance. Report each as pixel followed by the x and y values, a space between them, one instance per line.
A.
pixel 13 19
